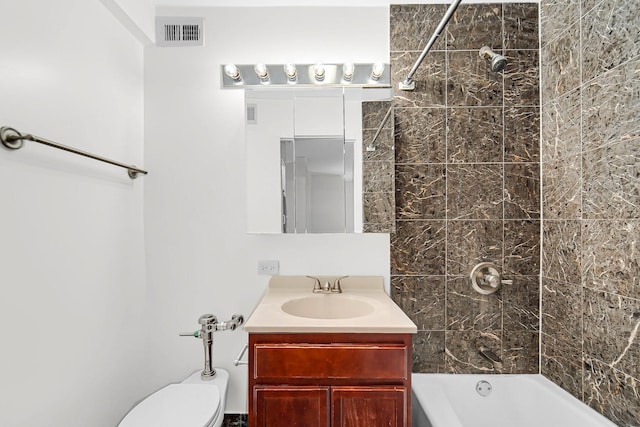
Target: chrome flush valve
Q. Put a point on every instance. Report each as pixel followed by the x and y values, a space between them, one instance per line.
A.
pixel 209 324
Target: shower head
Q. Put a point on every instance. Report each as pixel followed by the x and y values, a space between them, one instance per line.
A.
pixel 498 62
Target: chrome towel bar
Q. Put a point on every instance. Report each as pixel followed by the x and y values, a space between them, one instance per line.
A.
pixel 14 140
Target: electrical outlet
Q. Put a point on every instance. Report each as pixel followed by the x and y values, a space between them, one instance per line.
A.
pixel 269 267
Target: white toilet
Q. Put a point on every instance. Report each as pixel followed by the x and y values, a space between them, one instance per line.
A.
pixel 192 403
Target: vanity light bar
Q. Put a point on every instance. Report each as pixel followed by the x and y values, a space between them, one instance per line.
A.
pixel 305 75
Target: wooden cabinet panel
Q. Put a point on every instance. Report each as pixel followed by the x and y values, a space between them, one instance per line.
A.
pixel 291 406
pixel 368 407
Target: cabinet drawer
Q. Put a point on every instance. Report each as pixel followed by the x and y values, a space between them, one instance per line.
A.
pixel 285 362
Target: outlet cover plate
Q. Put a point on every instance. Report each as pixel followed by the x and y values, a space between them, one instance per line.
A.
pixel 268 267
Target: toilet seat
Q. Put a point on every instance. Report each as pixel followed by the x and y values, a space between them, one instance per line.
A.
pixel 177 405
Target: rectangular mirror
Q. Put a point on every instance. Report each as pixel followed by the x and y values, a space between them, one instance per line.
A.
pixel 319 160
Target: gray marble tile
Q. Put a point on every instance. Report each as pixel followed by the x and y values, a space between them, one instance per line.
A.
pixel 474 191
pixel 520 25
pixel 373 112
pixel 474 26
pixel 420 135
pixel 378 208
pixel 520 352
pixel 587 5
pixel 610 256
pixel 471 242
pixel 522 134
pixel 462 355
pixel 556 16
pixel 560 64
pixel 411 26
pixel 421 192
pixel 562 363
pixel 612 393
pixel 377 177
pixel 522 191
pixel 418 247
pixel 521 247
pixel 474 135
pixel 422 299
pixel 521 304
pixel 429 78
pixel 469 310
pixel 562 311
pixel 384 146
pixel 612 330
pixel 428 352
pixel 470 81
pixel 522 78
pixel 609 37
pixel 562 184
pixel 561 257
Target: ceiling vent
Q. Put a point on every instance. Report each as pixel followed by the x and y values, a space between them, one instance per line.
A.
pixel 177 31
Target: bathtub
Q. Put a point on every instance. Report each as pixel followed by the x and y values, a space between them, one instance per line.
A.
pixel 441 400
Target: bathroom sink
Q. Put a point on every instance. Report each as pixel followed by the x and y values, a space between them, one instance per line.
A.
pixel 327 306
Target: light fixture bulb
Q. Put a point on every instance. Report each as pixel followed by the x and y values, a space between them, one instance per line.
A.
pixel 377 70
pixel 319 72
pixel 233 72
pixel 291 72
pixel 347 71
pixel 262 71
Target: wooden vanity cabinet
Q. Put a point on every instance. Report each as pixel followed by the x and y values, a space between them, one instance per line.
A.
pixel 329 380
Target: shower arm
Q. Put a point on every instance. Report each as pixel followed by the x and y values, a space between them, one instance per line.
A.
pixel 408 83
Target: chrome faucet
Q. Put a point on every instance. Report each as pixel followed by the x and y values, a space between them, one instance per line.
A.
pixel 326 288
pixel 491 357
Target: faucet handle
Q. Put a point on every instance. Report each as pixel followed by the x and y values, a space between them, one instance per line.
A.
pixel 336 285
pixel 317 287
pixel 190 334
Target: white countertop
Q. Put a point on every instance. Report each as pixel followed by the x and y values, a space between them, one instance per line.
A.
pixel 382 314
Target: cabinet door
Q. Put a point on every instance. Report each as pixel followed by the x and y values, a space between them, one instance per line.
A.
pixel 291 406
pixel 368 407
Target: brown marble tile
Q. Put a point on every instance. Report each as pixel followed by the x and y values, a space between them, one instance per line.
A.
pixel 562 363
pixel 522 134
pixel 462 355
pixel 469 310
pixel 587 5
pixel 474 26
pixel 235 420
pixel 556 16
pixel 378 208
pixel 474 191
pixel 612 393
pixel 471 82
pixel 561 257
pixel 411 26
pixel 522 78
pixel 420 192
pixel 521 247
pixel 472 242
pixel 384 146
pixel 562 311
pixel 429 78
pixel 422 299
pixel 562 184
pixel 520 25
pixel 428 352
pixel 609 37
pixel 521 304
pixel 373 112
pixel 610 256
pixel 560 64
pixel 520 352
pixel 474 135
pixel 377 177
pixel 522 191
pixel 612 330
pixel 420 135
pixel 418 247
pixel 379 228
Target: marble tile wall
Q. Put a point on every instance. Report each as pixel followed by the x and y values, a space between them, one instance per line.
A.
pixel 590 68
pixel 467 187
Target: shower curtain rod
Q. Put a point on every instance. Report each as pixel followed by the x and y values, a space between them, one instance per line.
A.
pixel 408 83
pixel 13 140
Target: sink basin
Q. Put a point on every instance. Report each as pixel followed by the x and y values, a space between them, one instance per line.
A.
pixel 327 307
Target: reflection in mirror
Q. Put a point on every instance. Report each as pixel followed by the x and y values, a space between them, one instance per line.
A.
pixel 319 160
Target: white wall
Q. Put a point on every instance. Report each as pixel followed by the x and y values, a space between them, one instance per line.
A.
pixel 72 277
pixel 199 257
